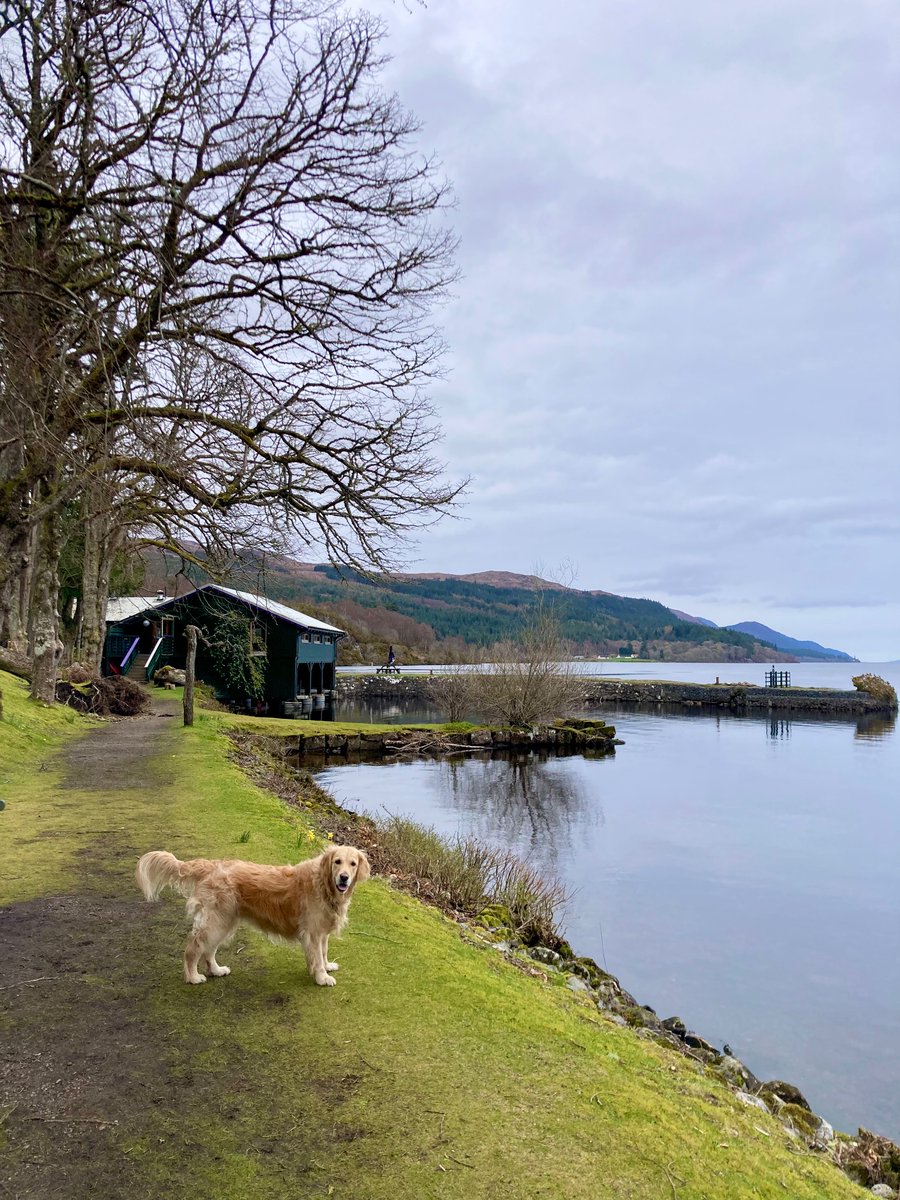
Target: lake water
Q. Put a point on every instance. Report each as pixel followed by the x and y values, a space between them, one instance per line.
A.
pixel 739 872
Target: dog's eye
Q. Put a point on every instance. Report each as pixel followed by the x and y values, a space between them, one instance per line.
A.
pixel 353 864
pixel 337 862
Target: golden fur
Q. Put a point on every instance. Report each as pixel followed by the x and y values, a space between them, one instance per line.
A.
pixel 306 903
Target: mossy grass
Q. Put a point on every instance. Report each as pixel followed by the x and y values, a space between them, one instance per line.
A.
pixel 434 1069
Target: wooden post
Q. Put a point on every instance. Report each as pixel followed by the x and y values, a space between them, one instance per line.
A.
pixel 190 632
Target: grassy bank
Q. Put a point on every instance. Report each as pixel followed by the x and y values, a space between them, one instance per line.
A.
pixel 433 1069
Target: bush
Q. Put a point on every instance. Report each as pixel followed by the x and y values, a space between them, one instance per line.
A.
pixel 468 876
pixel 454 693
pixel 877 688
pixel 532 679
pixel 116 696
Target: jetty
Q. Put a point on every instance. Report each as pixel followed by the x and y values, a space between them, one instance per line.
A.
pixel 735 697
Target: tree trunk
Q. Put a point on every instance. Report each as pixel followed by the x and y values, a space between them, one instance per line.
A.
pixel 16 562
pixel 190 632
pixel 46 647
pixel 101 541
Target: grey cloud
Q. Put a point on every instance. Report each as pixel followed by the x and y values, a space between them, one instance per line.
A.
pixel 673 350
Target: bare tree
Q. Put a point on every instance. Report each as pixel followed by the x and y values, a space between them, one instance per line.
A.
pixel 228 180
pixel 455 692
pixel 531 679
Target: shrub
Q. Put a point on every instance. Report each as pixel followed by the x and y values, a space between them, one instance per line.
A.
pixel 877 688
pixel 454 693
pixel 468 876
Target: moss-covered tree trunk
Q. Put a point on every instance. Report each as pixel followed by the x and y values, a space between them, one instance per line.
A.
pixel 45 645
pixel 190 632
pixel 16 539
pixel 101 540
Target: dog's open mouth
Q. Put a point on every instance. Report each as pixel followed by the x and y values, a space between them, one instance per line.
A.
pixel 341 886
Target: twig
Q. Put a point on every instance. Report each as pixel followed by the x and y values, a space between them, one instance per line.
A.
pixel 671 1181
pixel 75 1120
pixel 23 982
pixel 471 1166
pixel 437 1113
pixel 9 1112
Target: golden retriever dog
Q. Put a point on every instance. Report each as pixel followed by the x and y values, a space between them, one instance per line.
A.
pixel 306 903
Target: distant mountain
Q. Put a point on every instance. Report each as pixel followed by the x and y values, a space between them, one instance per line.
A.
pixel 438 617
pixel 802 650
pixel 696 620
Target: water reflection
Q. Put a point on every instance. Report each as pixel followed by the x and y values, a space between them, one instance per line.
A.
pixel 876 726
pixel 528 800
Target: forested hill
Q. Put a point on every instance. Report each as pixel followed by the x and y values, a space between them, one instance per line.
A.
pixel 447 617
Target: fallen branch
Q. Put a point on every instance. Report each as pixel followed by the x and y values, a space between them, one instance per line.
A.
pixel 74 1120
pixel 26 982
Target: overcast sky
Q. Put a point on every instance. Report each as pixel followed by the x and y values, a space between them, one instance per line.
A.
pixel 675 347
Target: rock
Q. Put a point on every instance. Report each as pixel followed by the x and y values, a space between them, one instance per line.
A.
pixel 576 984
pixel 751 1101
pixel 675 1025
pixel 777 1090
pixel 733 1072
pixel 167 674
pixel 545 955
pixel 588 969
pixel 639 1017
pixel 825 1134
pixel 480 737
pixel 664 1037
pixel 884 1190
pixel 696 1042
pixel 806 1123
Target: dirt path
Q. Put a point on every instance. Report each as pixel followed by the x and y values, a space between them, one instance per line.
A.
pixel 80 1058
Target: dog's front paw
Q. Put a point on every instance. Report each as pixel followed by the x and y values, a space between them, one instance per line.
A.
pixel 219 970
pixel 198 978
pixel 331 966
pixel 324 980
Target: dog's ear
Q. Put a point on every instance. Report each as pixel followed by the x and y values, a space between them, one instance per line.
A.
pixel 363 871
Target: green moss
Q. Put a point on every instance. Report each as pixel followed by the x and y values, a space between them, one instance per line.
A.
pixel 495 916
pixel 800 1119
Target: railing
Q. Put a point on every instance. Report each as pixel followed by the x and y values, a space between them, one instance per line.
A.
pixel 126 663
pixel 153 660
pixel 775 679
pixel 162 652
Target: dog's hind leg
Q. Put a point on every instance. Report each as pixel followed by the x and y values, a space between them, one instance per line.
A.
pixel 210 930
pixel 214 967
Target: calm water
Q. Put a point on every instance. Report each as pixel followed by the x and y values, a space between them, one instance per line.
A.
pixel 738 872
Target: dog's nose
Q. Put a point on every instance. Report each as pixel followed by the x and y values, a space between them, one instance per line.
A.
pixel 344 877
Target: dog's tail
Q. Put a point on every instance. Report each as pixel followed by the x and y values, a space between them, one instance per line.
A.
pixel 159 869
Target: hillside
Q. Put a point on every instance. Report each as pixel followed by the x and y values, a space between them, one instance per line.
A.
pixel 441 617
pixel 802 650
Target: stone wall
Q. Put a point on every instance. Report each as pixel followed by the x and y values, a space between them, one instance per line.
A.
pixel 733 696
pixel 566 737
